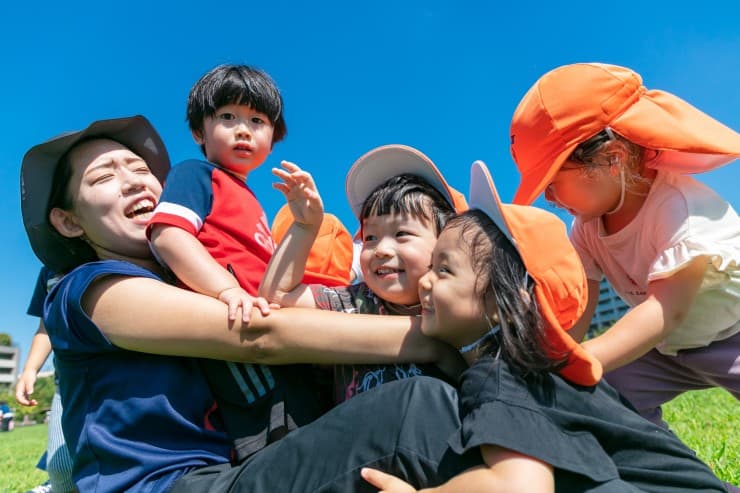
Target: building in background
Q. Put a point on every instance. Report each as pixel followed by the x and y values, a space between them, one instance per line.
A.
pixel 610 309
pixel 9 357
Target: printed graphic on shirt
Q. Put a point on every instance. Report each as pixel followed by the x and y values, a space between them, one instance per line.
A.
pixel 350 380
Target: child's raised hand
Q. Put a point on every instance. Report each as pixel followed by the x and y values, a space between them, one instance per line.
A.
pixel 385 482
pixel 236 297
pixel 301 193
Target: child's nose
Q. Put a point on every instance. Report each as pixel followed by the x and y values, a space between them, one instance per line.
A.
pixel 383 248
pixel 242 129
pixel 425 282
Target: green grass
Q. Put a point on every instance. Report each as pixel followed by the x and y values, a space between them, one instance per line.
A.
pixel 708 421
pixel 20 450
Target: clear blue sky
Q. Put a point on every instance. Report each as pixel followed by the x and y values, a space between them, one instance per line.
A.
pixel 441 76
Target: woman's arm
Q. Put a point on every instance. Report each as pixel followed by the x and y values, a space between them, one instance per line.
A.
pixel 642 328
pixel 37 355
pixel 506 471
pixel 146 315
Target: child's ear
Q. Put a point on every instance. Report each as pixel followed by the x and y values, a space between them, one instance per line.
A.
pixel 197 136
pixel 65 223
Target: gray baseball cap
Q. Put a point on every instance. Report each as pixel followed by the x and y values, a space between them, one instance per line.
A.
pixel 58 253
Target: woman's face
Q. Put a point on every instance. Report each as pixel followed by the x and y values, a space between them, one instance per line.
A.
pixel 113 195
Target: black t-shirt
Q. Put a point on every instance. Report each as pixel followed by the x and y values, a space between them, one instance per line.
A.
pixel 590 435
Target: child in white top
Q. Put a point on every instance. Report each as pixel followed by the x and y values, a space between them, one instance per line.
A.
pixel 612 153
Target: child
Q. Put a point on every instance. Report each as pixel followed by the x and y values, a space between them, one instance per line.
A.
pixel 56 460
pixel 402 202
pixel 611 153
pixel 505 279
pixel 211 231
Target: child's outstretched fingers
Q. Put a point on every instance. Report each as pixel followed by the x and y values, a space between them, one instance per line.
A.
pixel 301 193
pixel 385 482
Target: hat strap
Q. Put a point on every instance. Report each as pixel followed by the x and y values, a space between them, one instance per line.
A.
pixel 492 331
pixel 622 193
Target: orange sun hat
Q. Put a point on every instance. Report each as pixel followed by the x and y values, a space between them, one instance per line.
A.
pixel 561 288
pixel 573 103
pixel 330 259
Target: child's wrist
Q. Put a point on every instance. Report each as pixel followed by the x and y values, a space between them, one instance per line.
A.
pixel 224 290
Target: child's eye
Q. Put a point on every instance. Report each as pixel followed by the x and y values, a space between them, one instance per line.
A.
pixel 400 234
pixel 227 116
pixel 367 238
pixel 258 120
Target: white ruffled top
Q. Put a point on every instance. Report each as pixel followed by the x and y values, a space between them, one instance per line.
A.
pixel 680 220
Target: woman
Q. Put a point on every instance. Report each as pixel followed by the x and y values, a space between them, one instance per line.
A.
pixel 135 400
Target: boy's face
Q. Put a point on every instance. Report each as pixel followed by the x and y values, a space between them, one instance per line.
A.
pixel 395 253
pixel 237 138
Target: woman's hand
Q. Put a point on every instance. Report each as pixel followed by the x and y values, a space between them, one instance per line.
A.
pixel 386 482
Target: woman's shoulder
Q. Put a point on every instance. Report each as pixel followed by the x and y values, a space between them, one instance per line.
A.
pixel 79 279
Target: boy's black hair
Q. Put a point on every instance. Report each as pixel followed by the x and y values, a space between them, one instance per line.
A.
pixel 501 274
pixel 408 194
pixel 235 84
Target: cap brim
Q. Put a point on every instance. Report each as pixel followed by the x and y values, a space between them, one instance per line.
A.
pixel 40 163
pixel 378 165
pixel 534 182
pixel 484 196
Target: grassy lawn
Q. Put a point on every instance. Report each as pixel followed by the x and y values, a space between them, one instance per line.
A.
pixel 708 421
pixel 20 450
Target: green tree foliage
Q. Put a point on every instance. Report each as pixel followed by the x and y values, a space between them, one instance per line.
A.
pixel 43 391
pixel 5 339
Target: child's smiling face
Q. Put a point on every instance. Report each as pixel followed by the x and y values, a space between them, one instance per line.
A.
pixel 237 138
pixel 452 310
pixel 395 254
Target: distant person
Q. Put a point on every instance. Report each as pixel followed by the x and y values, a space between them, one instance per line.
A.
pixel 506 284
pixel 402 202
pixel 614 154
pixel 56 461
pixel 7 415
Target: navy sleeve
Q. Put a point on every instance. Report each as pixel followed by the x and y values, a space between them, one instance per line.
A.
pixel 69 327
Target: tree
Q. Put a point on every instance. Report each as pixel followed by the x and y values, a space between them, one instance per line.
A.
pixel 5 339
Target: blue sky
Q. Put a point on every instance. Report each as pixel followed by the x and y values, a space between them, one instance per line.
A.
pixel 444 77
